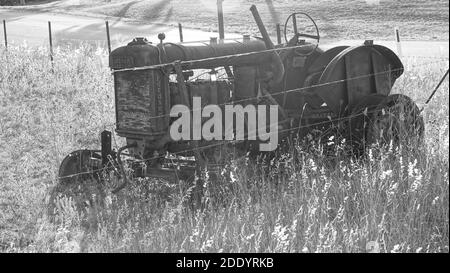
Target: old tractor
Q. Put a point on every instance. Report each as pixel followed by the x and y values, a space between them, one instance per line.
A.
pixel 345 87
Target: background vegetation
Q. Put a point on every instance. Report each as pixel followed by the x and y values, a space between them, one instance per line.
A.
pixel 337 19
pixel 302 203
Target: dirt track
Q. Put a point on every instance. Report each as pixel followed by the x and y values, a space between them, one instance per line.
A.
pixel 32 27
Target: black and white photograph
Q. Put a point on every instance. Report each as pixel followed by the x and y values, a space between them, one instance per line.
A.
pixel 224 133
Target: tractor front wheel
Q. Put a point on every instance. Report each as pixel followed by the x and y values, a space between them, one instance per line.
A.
pixel 78 184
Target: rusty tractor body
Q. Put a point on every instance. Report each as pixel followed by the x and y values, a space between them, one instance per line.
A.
pixel 347 87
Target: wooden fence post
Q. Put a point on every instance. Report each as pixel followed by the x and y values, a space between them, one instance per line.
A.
pixel 50 41
pixel 4 34
pixel 108 37
pixel 397 39
pixel 180 30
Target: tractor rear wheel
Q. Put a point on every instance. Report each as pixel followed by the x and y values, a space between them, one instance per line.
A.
pixel 385 120
pixel 397 119
pixel 360 119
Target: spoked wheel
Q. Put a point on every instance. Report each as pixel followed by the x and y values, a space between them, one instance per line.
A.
pixel 79 176
pixel 385 120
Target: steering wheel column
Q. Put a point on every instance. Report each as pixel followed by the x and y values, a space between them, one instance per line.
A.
pixel 295 40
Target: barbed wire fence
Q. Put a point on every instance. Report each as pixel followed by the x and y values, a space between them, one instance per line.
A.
pixel 107 43
pixel 330 120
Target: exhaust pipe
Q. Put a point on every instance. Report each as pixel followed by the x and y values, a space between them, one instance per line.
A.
pixel 261 27
pixel 278 69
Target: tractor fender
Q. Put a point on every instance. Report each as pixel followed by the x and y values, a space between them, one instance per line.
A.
pixel 325 58
pixel 356 72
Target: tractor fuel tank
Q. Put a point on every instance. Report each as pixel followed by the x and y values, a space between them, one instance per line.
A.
pixel 206 55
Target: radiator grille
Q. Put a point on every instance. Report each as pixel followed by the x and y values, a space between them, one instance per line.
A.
pixel 140 103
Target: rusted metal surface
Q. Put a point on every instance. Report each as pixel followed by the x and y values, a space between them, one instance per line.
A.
pixel 337 78
pixel 220 19
pixel 141 95
pixel 312 88
pixel 278 68
pixel 357 72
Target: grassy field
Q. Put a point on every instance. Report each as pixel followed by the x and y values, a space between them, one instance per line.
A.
pixel 399 198
pixel 337 19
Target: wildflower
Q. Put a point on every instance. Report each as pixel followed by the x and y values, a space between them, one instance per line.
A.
pixel 397 249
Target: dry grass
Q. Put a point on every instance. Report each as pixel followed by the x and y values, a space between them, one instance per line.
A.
pixel 302 203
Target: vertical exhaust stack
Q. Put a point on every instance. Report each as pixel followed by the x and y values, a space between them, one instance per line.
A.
pixel 261 27
pixel 220 18
pixel 278 67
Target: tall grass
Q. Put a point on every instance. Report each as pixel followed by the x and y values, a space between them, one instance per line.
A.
pixel 298 202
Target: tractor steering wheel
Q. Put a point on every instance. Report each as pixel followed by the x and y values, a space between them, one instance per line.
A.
pixel 316 37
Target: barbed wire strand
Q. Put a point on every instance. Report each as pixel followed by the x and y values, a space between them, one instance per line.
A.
pixel 290 129
pixel 298 89
pixel 276 93
pixel 222 142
